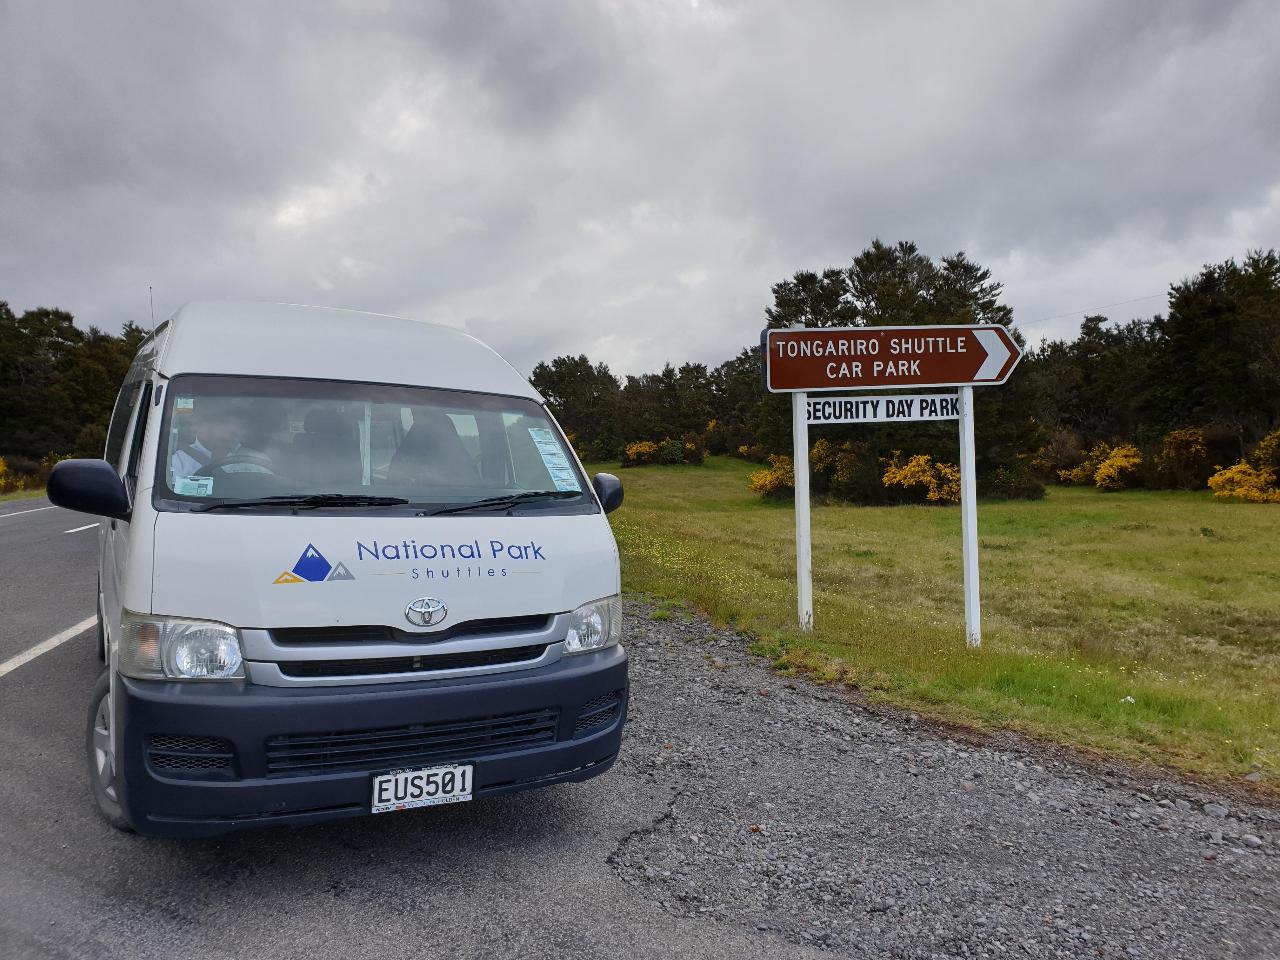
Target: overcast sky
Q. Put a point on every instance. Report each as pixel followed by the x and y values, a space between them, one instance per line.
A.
pixel 625 178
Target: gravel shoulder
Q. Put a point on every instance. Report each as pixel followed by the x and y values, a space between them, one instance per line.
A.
pixel 747 816
pixel 798 813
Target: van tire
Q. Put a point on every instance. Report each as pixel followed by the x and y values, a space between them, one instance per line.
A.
pixel 104 778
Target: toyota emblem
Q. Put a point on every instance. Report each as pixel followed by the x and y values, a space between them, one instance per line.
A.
pixel 426 612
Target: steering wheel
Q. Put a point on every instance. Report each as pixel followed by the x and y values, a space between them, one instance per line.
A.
pixel 242 456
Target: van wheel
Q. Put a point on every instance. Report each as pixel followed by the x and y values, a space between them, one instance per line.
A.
pixel 103 777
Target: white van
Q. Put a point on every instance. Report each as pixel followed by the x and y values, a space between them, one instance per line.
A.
pixel 351 566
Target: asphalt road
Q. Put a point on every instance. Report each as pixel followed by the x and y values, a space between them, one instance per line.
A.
pixel 747 817
pixel 523 876
pixel 47 576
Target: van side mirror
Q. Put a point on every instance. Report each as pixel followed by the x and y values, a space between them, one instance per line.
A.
pixel 609 490
pixel 89 486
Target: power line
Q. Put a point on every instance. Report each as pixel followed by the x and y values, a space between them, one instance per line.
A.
pixel 1091 310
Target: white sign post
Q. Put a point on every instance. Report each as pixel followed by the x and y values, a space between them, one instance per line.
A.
pixel 969 522
pixel 804 543
pixel 803 360
pixel 887 409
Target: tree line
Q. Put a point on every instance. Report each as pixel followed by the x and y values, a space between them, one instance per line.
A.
pixel 58 384
pixel 1210 363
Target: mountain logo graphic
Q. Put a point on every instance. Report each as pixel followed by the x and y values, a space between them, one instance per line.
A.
pixel 312 567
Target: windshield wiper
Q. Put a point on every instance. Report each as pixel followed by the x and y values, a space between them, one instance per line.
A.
pixel 312 501
pixel 510 500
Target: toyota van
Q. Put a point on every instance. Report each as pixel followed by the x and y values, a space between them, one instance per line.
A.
pixel 349 564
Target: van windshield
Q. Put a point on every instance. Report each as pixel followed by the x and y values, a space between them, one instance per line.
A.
pixel 227 439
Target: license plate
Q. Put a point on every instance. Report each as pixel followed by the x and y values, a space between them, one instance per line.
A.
pixel 406 789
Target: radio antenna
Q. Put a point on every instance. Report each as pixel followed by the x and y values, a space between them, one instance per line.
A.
pixel 152 296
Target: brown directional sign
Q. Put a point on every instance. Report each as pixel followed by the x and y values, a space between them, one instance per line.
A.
pixel 865 358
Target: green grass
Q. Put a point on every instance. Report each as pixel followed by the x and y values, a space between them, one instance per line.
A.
pixel 1089 599
pixel 22 495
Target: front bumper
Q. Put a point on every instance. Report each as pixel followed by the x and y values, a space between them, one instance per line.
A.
pixel 253 790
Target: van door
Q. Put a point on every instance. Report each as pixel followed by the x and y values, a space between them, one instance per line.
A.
pixel 124 448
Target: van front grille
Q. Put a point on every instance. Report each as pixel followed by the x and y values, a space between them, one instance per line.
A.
pixel 390 747
pixel 599 712
pixel 320 636
pixel 425 663
pixel 176 755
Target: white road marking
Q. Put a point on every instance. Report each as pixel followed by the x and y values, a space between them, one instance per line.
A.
pixel 44 646
pixel 87 526
pixel 18 513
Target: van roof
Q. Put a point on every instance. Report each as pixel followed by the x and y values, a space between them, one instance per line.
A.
pixel 291 340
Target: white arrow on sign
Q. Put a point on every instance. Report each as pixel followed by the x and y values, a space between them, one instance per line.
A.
pixel 997 354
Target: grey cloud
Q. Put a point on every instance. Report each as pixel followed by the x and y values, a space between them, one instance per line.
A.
pixel 622 178
pixel 1126 116
pixel 535 62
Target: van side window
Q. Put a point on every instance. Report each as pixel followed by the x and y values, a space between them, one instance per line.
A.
pixel 139 434
pixel 120 418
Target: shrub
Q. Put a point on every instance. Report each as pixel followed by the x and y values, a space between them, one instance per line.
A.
pixel 670 451
pixel 1084 472
pixel 640 453
pixel 1119 470
pixel 822 457
pixel 22 473
pixel 940 482
pixel 847 470
pixel 1106 467
pixel 1245 482
pixel 716 437
pixel 853 470
pixel 756 452
pixel 1015 481
pixel 694 448
pixel 1183 460
pixel 1224 443
pixel 1063 452
pixel 592 451
pixel 1266 455
pixel 22 466
pixel 596 451
pixel 778 480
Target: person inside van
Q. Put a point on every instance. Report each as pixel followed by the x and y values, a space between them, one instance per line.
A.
pixel 219 439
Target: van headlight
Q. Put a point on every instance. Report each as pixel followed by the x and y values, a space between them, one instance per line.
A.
pixel 594 625
pixel 174 648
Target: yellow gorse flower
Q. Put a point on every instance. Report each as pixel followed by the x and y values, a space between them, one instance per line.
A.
pixel 941 481
pixel 779 478
pixel 1245 482
pixel 1119 469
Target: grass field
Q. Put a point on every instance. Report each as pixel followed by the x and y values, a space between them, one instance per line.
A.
pixel 21 495
pixel 1143 624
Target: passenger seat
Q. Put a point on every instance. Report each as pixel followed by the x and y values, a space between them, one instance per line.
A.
pixel 327 452
pixel 432 455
